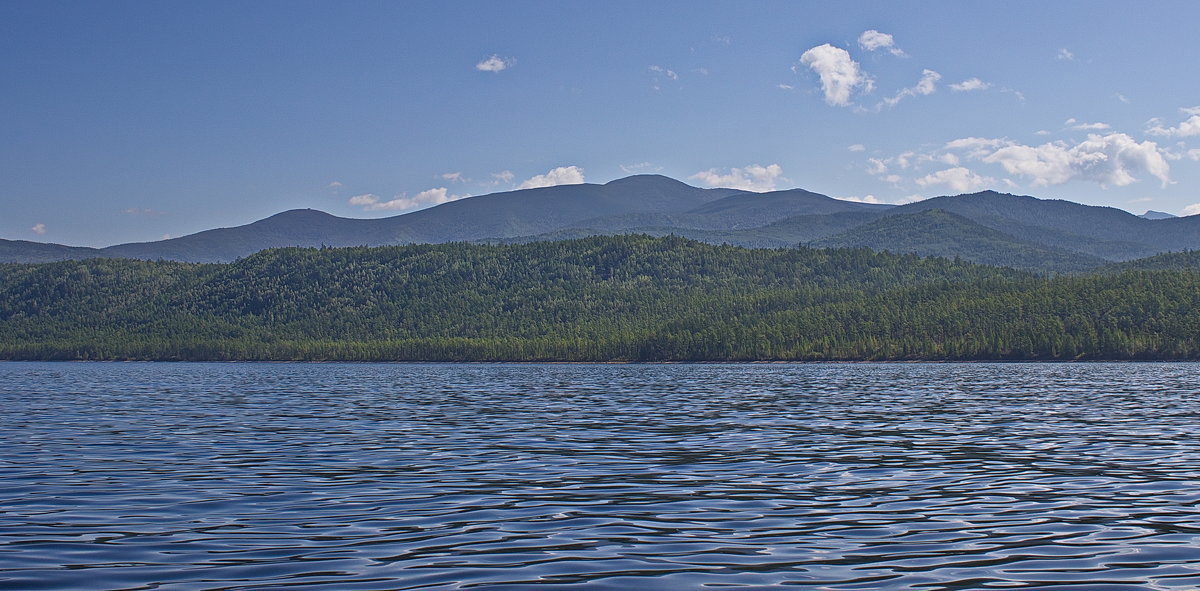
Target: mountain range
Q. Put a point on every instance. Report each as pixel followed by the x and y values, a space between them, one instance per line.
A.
pixel 986 227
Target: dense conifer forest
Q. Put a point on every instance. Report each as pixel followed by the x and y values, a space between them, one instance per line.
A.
pixel 623 298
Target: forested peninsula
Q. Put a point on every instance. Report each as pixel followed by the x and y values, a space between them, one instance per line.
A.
pixel 616 298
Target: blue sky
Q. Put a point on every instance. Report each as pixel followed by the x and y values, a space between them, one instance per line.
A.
pixel 131 121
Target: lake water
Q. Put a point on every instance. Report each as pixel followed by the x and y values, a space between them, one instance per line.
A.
pixel 409 476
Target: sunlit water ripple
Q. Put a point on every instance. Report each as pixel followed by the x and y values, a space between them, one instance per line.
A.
pixel 376 476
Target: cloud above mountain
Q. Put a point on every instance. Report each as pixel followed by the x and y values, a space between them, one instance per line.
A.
pixel 563 175
pixel 431 197
pixel 1111 160
pixel 754 177
pixel 959 179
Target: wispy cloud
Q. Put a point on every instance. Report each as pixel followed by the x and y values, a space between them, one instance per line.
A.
pixel 563 175
pixel 751 178
pixel 454 177
pixel 863 199
pixel 840 75
pixel 664 72
pixel 141 211
pixel 495 63
pixel 1065 55
pixel 38 229
pixel 1080 126
pixel 856 148
pixel 333 185
pixel 970 84
pixel 925 86
pixel 872 40
pixel 660 75
pixel 640 168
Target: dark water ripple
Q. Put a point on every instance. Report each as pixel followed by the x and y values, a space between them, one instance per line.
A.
pixel 908 476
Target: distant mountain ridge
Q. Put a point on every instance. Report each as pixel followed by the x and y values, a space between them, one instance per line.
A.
pixel 987 227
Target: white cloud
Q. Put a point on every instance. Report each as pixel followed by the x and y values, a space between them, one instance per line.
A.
pixel 563 175
pixel 1078 125
pixel 364 200
pixel 1194 153
pixel 333 185
pixel 38 229
pixel 1065 55
pixel 872 40
pixel 504 176
pixel 370 202
pixel 839 74
pixel 782 86
pixel 864 199
pixel 925 86
pixel 1020 95
pixel 1109 160
pixel 970 84
pixel 975 147
pixel 751 178
pixel 664 72
pixel 640 168
pixel 956 179
pixel 1123 98
pixel 1041 132
pixel 1188 128
pixel 1192 209
pixel 141 211
pixel 661 74
pixel 876 167
pixel 856 148
pixel 454 177
pixel 949 158
pixel 495 63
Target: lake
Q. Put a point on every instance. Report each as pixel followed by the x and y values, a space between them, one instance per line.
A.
pixel 502 476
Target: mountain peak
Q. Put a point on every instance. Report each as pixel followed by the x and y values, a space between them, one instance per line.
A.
pixel 1156 215
pixel 305 213
pixel 646 179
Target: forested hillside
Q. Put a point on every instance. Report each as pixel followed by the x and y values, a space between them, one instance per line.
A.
pixel 595 299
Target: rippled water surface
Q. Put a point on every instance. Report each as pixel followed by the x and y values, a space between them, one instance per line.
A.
pixel 364 476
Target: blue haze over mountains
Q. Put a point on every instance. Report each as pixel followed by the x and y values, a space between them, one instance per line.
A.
pixel 987 227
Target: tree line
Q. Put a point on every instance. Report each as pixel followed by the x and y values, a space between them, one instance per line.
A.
pixel 620 298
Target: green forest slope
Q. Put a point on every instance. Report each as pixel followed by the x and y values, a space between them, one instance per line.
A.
pixel 618 298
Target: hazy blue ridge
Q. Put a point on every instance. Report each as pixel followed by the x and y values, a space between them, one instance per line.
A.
pixel 988 227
